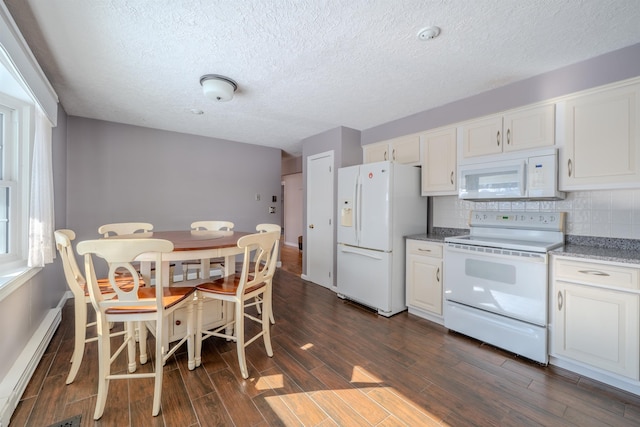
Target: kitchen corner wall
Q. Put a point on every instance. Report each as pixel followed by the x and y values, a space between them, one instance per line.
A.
pixel 610 213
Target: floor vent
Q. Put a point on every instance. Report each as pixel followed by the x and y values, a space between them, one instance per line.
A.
pixel 69 422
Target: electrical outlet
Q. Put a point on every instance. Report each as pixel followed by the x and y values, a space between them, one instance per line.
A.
pixel 272 209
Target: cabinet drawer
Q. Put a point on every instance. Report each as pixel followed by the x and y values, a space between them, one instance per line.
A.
pixel 420 247
pixel 597 274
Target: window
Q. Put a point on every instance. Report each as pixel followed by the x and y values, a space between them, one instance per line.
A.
pixel 15 130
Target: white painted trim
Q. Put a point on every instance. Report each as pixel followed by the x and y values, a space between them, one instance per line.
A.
pixel 25 65
pixel 16 381
pixel 12 281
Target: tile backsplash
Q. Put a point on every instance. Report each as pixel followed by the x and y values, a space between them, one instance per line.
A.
pixel 610 213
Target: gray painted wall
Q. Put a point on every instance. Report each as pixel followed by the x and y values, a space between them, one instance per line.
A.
pixel 118 173
pixel 608 68
pixel 345 143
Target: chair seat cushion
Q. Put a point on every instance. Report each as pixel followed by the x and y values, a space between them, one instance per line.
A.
pixel 171 296
pixel 226 285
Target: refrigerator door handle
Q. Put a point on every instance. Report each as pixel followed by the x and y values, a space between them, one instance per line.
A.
pixel 357 252
pixel 358 213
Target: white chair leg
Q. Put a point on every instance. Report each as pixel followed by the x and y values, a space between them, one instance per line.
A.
pixel 266 316
pixel 104 366
pixel 271 319
pixel 191 364
pixel 142 342
pixel 157 389
pixel 130 336
pixel 239 335
pixel 198 340
pixel 80 331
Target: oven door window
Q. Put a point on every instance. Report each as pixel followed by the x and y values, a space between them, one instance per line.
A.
pixel 509 285
pixel 491 271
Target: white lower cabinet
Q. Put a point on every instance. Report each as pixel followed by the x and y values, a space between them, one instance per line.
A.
pixel 595 316
pixel 212 316
pixel 424 279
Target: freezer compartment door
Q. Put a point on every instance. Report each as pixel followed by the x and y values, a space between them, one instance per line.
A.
pixel 365 276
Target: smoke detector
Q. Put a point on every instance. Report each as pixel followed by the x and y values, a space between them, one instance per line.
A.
pixel 428 33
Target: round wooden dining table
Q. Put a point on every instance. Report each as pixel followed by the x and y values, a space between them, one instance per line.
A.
pixel 189 245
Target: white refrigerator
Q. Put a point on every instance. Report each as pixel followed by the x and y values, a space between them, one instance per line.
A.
pixel 378 204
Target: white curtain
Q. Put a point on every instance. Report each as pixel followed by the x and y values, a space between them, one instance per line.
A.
pixel 41 219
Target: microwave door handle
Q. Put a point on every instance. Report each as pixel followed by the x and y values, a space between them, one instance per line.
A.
pixel 524 180
pixel 358 206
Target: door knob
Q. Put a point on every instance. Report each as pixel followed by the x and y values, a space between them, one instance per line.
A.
pixel 311 226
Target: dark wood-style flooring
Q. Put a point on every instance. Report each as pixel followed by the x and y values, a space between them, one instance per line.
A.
pixel 334 364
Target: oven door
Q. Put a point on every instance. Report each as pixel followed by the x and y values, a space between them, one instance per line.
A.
pixel 505 282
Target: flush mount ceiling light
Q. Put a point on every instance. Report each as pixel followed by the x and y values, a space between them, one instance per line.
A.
pixel 428 33
pixel 219 88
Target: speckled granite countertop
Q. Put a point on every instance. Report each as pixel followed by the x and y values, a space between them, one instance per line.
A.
pixel 439 234
pixel 601 249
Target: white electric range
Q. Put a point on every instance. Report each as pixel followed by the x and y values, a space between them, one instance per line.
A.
pixel 496 279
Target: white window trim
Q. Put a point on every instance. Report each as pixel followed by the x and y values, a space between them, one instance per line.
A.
pixel 12 265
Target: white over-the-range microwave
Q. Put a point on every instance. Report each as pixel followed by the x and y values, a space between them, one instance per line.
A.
pixel 531 175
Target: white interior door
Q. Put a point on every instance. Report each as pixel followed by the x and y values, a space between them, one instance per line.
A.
pixel 319 245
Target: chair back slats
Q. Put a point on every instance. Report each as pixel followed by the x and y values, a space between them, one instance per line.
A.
pixel 120 228
pixel 119 255
pixel 263 266
pixel 72 273
pixel 212 225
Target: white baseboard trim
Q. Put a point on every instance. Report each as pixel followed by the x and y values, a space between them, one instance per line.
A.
pixel 17 379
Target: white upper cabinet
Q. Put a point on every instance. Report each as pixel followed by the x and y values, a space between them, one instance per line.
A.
pixel 518 129
pixel 599 139
pixel 439 170
pixel 405 149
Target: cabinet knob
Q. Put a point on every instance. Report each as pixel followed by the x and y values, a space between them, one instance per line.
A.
pixel 508 136
pixel 569 167
pixel 178 322
pixel 311 226
pixel 498 138
pixel 386 155
pixel 438 274
pixel 451 177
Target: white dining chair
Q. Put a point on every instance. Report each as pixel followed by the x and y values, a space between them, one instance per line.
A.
pixel 127 228
pixel 254 280
pixel 149 305
pixel 196 264
pixel 265 228
pixel 78 287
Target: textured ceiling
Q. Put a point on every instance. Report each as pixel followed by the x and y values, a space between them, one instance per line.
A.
pixel 303 66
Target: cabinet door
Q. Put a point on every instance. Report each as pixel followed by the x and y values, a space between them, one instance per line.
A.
pixel 376 153
pixel 406 149
pixel 597 326
pixel 212 315
pixel 424 283
pixel 482 137
pixel 529 128
pixel 439 162
pixel 600 148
